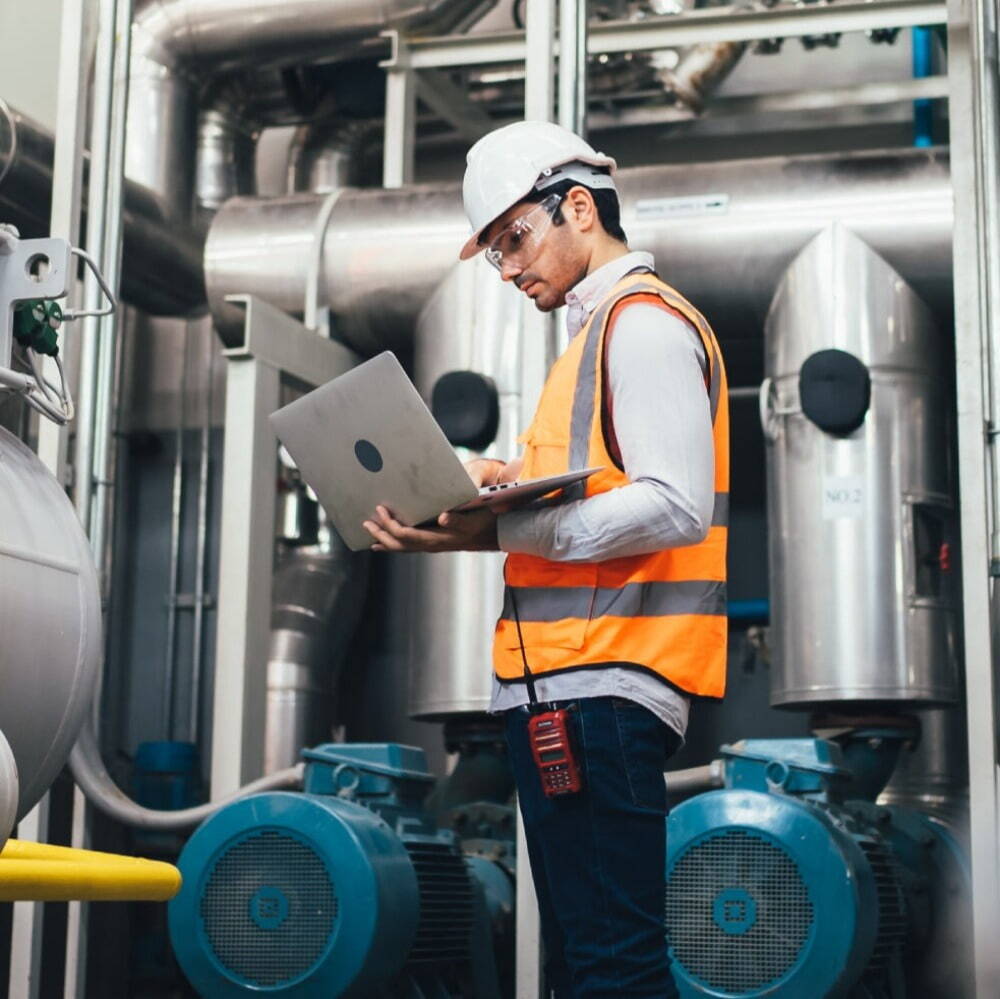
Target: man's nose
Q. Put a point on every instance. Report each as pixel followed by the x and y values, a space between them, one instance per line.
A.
pixel 510 270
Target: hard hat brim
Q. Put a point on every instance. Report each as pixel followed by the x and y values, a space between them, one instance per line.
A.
pixel 472 246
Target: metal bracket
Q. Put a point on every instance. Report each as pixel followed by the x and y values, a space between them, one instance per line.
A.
pixel 29 268
pixel 274 346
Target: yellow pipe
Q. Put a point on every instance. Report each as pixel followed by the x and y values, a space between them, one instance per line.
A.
pixel 38 872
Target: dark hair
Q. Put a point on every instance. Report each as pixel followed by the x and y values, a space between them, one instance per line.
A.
pixel 605 201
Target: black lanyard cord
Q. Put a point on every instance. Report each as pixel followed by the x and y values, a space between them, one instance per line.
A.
pixel 532 697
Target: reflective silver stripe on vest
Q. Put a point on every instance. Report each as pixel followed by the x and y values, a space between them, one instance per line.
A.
pixel 554 603
pixel 720 512
pixel 584 396
pixel 583 400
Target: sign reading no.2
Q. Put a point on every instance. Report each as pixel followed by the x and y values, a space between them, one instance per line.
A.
pixel 843 497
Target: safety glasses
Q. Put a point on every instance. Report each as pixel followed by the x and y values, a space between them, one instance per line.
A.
pixel 519 241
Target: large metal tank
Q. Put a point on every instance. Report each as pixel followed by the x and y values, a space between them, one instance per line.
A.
pixel 473 322
pixel 861 521
pixel 50 620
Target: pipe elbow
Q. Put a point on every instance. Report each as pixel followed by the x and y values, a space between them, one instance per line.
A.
pixel 161 36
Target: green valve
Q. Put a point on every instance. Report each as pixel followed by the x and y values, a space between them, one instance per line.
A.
pixel 36 325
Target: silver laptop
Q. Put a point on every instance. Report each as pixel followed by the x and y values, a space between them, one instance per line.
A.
pixel 367 439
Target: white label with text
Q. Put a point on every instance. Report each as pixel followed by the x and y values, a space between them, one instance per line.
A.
pixel 843 497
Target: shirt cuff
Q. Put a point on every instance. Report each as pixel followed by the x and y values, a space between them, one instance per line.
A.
pixel 516 532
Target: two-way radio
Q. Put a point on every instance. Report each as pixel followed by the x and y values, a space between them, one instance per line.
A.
pixel 549 734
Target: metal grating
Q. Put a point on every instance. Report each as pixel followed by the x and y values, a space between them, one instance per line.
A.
pixel 766 943
pixel 892 923
pixel 268 908
pixel 446 903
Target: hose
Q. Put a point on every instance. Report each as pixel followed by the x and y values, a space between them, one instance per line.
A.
pixel 103 793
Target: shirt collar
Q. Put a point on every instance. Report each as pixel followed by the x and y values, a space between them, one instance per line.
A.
pixel 582 299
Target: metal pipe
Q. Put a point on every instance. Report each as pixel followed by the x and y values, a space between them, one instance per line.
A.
pixel 39 872
pixel 165 274
pixel 108 326
pixel 318 596
pixel 94 780
pixel 327 154
pixel 573 65
pixel 178 44
pixel 701 69
pixel 386 251
pixel 176 511
pixel 100 166
pixel 696 778
pixel 201 553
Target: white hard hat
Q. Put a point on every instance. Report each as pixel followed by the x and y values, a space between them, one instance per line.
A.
pixel 504 166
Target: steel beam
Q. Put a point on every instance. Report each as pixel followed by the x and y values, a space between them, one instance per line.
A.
pixel 274 346
pixel 715 24
pixel 400 128
pixel 453 105
pixel 975 135
pixel 573 65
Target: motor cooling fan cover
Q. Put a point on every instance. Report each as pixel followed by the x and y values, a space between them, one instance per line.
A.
pixel 293 895
pixel 766 896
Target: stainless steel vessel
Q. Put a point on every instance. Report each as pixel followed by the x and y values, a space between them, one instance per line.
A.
pixel 473 322
pixel 386 251
pixel 50 622
pixel 860 524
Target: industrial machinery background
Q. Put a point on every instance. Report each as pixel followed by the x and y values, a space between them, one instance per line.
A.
pixel 860 493
pixel 344 890
pixel 792 883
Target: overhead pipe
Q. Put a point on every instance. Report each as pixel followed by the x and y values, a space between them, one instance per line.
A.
pixel 700 70
pixel 385 251
pixel 329 153
pixel 178 46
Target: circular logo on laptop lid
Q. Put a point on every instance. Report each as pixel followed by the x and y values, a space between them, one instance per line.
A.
pixel 368 455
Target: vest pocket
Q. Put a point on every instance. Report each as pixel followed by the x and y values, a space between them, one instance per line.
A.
pixel 554 602
pixel 546 452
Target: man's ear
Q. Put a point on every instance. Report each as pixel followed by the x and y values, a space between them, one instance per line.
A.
pixel 579 208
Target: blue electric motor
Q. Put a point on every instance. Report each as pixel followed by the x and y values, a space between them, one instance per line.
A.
pixel 782 886
pixel 343 890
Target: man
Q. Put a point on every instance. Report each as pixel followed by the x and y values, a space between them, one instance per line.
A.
pixel 615 597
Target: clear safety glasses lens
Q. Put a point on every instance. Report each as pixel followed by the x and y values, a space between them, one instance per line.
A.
pixel 519 242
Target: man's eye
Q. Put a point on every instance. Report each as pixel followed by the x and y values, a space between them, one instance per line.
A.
pixel 515 239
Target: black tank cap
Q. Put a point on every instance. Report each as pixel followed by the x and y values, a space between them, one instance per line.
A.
pixel 467 407
pixel 835 389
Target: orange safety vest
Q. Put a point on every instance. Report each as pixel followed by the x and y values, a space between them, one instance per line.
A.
pixel 664 612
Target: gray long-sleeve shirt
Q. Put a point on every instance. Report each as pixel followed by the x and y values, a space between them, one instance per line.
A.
pixel 661 418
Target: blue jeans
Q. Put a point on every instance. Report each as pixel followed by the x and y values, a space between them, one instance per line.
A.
pixel 598 858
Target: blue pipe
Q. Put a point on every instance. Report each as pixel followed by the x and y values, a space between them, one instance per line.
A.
pixel 923 116
pixel 749 611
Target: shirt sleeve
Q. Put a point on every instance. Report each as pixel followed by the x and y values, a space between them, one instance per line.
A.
pixel 662 421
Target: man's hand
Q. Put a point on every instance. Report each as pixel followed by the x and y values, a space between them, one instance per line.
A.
pixel 475 531
pixel 490 471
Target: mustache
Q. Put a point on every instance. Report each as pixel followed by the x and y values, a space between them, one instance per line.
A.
pixel 523 280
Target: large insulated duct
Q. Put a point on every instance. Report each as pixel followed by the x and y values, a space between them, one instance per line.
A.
pixel 164 273
pixel 723 233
